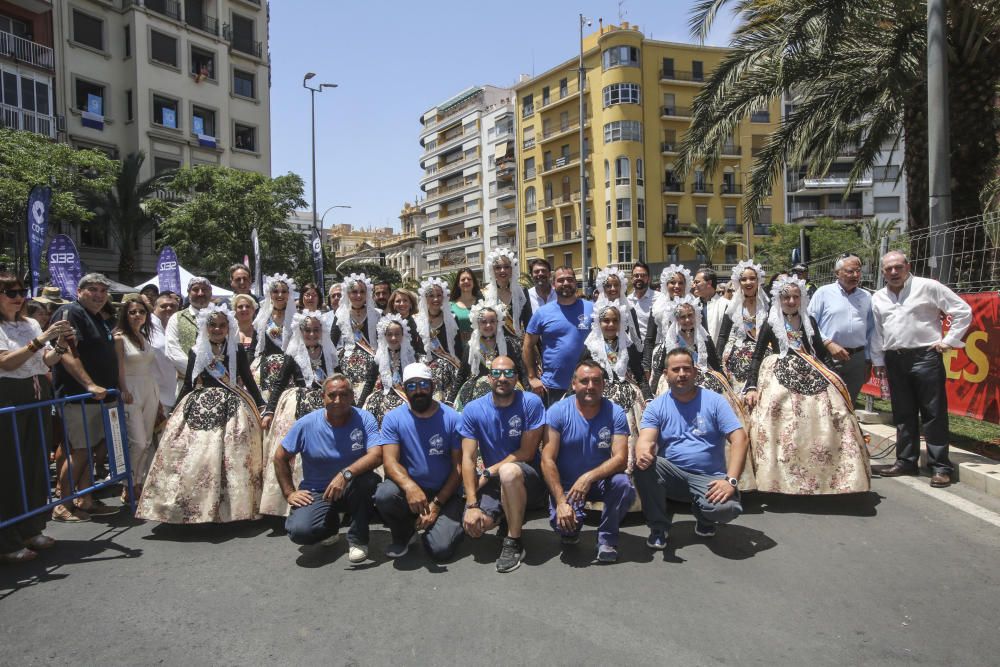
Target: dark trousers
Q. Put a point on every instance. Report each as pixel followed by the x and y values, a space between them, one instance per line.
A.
pixel 321 519
pixel 664 480
pixel 854 372
pixel 33 434
pixel 616 493
pixel 553 395
pixel 440 540
pixel 916 384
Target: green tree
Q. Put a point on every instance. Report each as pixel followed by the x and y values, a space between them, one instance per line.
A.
pixel 373 270
pixel 827 238
pixel 123 208
pixel 858 72
pixel 27 160
pixel 211 228
pixel 708 237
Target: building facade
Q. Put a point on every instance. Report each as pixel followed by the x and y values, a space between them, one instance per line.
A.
pixel 638 95
pixel 405 252
pixel 186 82
pixel 464 200
pixel 27 67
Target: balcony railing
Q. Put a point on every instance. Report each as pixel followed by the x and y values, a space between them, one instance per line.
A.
pixel 731 226
pixel 26 51
pixel 242 42
pixel 562 199
pixel 15 118
pixel 837 213
pixel 560 162
pixel 731 149
pixel 730 189
pixel 171 8
pixel 675 111
pixel 702 188
pixel 571 124
pixel 835 181
pixel 762 230
pixel 561 95
pixel 671 226
pixel 560 237
pixel 673 186
pixel 681 75
pixel 209 24
pixel 669 147
pixel 435 193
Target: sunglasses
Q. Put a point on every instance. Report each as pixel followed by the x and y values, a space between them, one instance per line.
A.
pixel 413 385
pixel 15 293
pixel 505 372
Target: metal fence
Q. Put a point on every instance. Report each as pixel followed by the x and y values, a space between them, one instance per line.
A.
pixel 114 435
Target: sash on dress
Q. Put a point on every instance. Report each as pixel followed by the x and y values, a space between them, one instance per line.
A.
pixel 223 378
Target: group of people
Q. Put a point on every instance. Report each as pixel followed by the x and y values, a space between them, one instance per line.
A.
pixel 453 410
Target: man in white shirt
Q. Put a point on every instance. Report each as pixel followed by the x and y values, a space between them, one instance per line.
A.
pixel 182 327
pixel 641 298
pixel 166 304
pixel 542 292
pixel 906 347
pixel 713 306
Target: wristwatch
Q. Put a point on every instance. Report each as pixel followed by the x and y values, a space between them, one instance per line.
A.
pixel 486 474
pixel 348 475
pixel 472 506
pixel 732 480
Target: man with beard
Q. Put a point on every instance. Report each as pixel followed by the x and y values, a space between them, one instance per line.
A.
pixel 380 294
pixel 182 327
pixel 167 303
pixel 559 329
pixel 713 306
pixel 689 426
pixel 542 292
pixel 584 458
pixel 340 450
pixel 641 298
pixel 505 428
pixel 421 452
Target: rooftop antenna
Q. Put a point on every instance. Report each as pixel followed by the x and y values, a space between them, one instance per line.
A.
pixel 622 12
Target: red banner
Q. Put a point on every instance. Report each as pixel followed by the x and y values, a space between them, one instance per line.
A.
pixel 974 371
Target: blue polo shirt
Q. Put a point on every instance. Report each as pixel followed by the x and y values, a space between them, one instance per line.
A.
pixel 692 435
pixel 584 444
pixel 498 430
pixel 326 449
pixel 561 331
pixel 425 444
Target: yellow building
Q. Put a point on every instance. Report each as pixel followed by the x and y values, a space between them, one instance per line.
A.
pixel 637 100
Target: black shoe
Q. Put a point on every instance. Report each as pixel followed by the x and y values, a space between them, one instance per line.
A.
pixel 897 469
pixel 511 555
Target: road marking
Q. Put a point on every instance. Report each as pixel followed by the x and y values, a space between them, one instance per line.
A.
pixel 959 503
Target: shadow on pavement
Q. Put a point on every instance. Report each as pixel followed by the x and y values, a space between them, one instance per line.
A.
pixel 851 504
pixel 212 533
pixel 732 542
pixel 45 568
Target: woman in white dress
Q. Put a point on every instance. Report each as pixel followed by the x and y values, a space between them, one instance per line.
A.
pixel 442 341
pixel 354 334
pixel 140 390
pixel 489 340
pixel 273 325
pixel 675 283
pixel 610 284
pixel 746 313
pixel 501 286
pixel 393 353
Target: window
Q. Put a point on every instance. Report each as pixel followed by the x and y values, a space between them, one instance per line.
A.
pixel 163 164
pixel 607 174
pixel 765 215
pixel 697 70
pixel 623 208
pixel 621 93
pixel 732 253
pixel 203 121
pixel 245 137
pixel 729 217
pixel 621 56
pixel 94 234
pixel 530 203
pixel 673 253
pixel 639 180
pixel 611 259
pixel 165 111
pixel 563 88
pixel 887 204
pixel 567 259
pixel 545 96
pixel 621 171
pixel 761 116
pixel 88 30
pixel 128 41
pixel 624 252
pixel 529 167
pixel 623 130
pixel 243 35
pixel 163 48
pixel 888 172
pixel 203 65
pixel 244 84
pixel 90 97
pixel 128 105
pixel 642 250
pixel 640 213
pixel 14 27
pixel 607 213
pixel 701 214
pixel 527 105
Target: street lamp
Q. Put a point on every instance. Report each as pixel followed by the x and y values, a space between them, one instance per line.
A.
pixel 583 160
pixel 323 217
pixel 312 100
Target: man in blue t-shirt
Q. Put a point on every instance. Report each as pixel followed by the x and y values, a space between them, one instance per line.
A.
pixel 584 458
pixel 505 427
pixel 422 451
pixel 340 450
pixel 559 330
pixel 689 426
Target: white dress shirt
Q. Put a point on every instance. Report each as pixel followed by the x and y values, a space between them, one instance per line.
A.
pixel 163 368
pixel 716 313
pixel 913 317
pixel 642 307
pixel 536 300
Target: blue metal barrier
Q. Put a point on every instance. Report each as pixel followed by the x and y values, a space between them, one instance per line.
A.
pixel 115 438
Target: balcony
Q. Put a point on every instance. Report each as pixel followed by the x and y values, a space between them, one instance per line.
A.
pixel 504 221
pixel 26 51
pixel 731 226
pixel 730 189
pixel 669 147
pixel 444 191
pixel 561 200
pixel 673 187
pixel 203 22
pixel 762 230
pixel 554 132
pixel 15 118
pixel 564 94
pixel 457 212
pixel 435 171
pixel 561 162
pixel 444 243
pixel 561 237
pixel 675 112
pixel 242 42
pixel 503 191
pixel 682 76
pixel 830 182
pixel 170 8
pixel 835 213
pixel 731 149
pixel 702 188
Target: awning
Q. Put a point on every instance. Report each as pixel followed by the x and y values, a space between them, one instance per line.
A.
pixel 501 150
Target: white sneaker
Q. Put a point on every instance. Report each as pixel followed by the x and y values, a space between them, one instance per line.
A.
pixel 357 553
pixel 330 541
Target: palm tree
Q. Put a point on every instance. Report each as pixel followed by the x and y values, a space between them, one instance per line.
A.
pixel 873 232
pixel 123 209
pixel 857 70
pixel 708 236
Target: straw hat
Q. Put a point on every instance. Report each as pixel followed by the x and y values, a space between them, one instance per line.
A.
pixel 51 294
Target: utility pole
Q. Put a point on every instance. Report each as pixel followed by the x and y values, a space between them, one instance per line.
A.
pixel 938 144
pixel 583 164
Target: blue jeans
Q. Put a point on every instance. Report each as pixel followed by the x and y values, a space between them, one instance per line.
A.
pixel 664 480
pixel 617 494
pixel 321 519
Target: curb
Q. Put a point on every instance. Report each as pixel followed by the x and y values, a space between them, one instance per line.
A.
pixel 974 471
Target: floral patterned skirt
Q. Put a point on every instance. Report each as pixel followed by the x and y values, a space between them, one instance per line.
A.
pixel 737 366
pixel 266 370
pixel 804 438
pixel 354 365
pixel 295 403
pixel 379 403
pixel 445 376
pixel 207 468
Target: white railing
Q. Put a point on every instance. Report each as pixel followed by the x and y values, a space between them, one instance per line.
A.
pixel 27 51
pixel 16 118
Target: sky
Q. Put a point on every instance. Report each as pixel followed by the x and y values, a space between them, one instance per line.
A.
pixel 392 61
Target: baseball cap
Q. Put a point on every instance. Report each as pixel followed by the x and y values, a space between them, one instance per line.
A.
pixel 417 371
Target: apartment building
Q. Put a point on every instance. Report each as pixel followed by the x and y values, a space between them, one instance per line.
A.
pixel 638 95
pixel 465 202
pixel 27 67
pixel 185 82
pixel 404 252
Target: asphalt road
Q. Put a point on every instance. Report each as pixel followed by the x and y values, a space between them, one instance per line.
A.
pixel 891 577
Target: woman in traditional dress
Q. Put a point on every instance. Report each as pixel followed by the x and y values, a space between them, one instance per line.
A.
pixel 355 330
pixel 680 319
pixel 273 325
pixel 610 285
pixel 207 468
pixel 406 304
pixel 804 436
pixel 310 357
pixel 442 342
pixel 392 355
pixel 138 385
pixel 244 309
pixel 675 282
pixel 467 292
pixel 489 340
pixel 502 286
pixel 746 313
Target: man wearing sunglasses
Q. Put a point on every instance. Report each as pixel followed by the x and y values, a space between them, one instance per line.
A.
pixel 505 428
pixel 421 452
